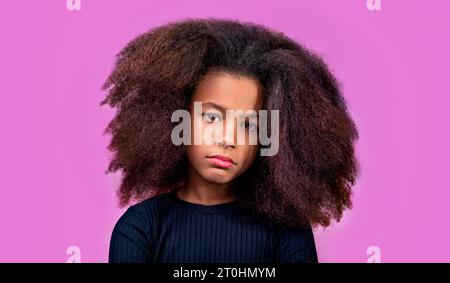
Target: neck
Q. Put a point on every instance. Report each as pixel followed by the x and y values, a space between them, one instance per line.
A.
pixel 198 190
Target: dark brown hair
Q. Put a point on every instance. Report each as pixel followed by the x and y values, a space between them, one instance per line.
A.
pixel 308 181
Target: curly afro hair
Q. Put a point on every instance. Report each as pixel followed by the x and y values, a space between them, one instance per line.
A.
pixel 308 182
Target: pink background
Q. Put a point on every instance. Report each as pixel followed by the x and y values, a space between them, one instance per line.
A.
pixel 393 64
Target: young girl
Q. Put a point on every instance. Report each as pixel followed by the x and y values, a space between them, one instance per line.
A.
pixel 225 202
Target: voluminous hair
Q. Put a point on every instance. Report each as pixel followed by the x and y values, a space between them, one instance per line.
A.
pixel 308 181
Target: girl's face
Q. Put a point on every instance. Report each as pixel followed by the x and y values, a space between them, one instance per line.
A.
pixel 218 92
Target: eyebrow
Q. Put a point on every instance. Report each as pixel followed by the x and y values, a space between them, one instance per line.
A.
pixel 223 109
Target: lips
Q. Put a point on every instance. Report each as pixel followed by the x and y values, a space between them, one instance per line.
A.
pixel 221 161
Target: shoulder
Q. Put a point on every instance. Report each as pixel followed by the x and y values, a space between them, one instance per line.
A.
pixel 143 215
pixel 153 205
pixel 297 245
pixel 149 207
pixel 134 234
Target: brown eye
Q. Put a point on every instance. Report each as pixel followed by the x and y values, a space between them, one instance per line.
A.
pixel 211 117
pixel 249 126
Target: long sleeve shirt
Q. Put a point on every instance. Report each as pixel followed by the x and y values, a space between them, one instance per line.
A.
pixel 167 229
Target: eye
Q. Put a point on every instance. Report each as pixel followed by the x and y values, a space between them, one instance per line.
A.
pixel 211 117
pixel 249 126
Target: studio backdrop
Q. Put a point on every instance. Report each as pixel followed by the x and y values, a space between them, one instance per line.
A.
pixel 390 57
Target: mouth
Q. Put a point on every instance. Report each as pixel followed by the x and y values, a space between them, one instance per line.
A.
pixel 221 161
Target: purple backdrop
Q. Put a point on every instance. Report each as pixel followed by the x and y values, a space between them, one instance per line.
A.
pixel 56 203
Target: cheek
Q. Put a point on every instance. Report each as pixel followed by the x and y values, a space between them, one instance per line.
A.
pixel 194 153
pixel 196 130
pixel 203 132
pixel 247 154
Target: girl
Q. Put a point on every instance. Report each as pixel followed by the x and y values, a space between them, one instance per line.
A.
pixel 224 202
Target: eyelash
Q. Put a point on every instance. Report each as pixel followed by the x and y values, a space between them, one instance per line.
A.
pixel 250 124
pixel 212 114
pixel 220 118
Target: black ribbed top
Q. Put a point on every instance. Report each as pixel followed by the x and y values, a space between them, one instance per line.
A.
pixel 167 229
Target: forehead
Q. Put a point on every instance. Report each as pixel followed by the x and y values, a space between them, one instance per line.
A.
pixel 229 91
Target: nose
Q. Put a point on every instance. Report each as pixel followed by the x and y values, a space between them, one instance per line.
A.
pixel 230 139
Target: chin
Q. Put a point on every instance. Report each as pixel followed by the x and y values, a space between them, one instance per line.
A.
pixel 218 176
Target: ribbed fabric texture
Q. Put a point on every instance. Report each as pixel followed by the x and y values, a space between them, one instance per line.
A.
pixel 167 229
